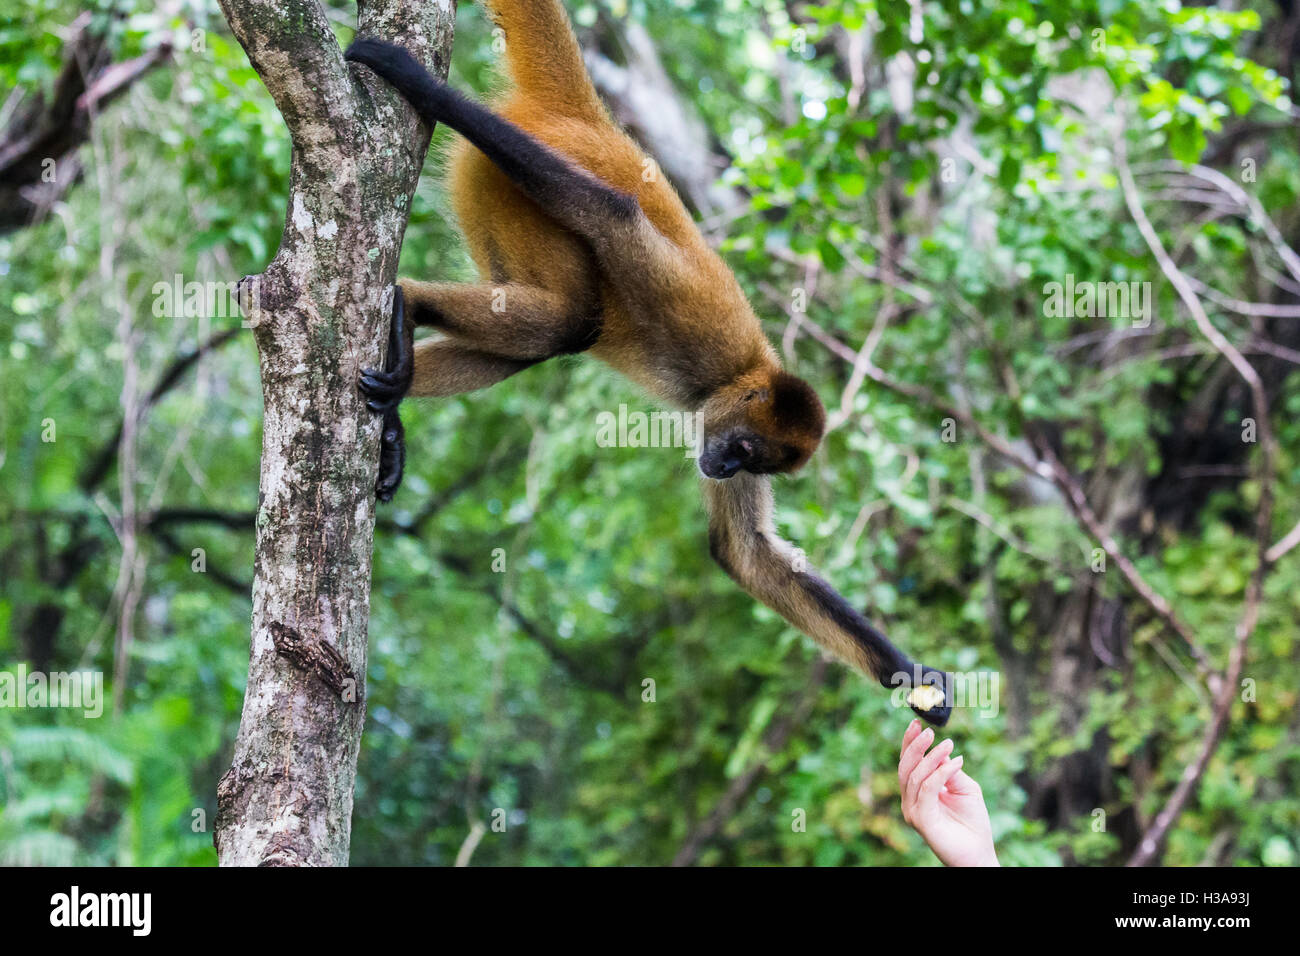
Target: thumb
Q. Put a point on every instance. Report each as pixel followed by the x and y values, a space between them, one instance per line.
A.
pixel 963 784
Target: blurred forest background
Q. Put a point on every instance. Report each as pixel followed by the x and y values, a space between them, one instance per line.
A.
pixel 896 184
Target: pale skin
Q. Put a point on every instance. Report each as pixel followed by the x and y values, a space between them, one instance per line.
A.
pixel 943 803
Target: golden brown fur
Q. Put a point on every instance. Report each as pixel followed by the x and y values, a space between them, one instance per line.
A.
pixel 583 245
pixel 511 238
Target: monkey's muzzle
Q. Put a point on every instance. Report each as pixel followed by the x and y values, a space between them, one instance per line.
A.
pixel 723 457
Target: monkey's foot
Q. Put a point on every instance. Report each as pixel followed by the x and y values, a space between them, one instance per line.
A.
pixel 932 700
pixel 392 456
pixel 384 390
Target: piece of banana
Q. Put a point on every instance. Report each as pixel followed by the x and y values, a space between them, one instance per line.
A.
pixel 925 697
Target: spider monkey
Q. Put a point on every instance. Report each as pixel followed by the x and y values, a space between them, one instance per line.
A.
pixel 581 252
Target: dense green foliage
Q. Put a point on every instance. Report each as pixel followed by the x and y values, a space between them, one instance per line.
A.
pixel 520 696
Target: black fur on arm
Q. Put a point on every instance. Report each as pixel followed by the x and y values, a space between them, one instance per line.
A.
pixel 570 194
pixel 890 664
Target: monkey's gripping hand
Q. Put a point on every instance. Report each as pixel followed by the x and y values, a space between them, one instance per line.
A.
pixel 384 391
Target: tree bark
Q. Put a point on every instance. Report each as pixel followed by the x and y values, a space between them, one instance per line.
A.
pixel 320 312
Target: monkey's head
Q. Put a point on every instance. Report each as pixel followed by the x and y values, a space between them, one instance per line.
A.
pixel 767 421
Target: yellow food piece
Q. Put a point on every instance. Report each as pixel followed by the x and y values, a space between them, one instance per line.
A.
pixel 925 697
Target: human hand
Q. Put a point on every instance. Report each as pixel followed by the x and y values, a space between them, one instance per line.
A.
pixel 942 803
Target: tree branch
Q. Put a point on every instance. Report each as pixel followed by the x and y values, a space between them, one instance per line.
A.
pixel 38 148
pixel 1052 470
pixel 170 378
pixel 773 743
pixel 1152 841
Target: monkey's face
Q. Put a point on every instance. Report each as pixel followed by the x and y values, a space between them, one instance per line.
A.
pixel 765 423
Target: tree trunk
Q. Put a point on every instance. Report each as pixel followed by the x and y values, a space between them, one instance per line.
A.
pixel 320 313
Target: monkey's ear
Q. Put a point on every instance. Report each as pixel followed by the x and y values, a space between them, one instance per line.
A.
pixel 796 407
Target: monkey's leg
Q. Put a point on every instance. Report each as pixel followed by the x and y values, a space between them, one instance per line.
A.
pixel 392 456
pixel 435 368
pixel 446 367
pixel 384 390
pixel 509 320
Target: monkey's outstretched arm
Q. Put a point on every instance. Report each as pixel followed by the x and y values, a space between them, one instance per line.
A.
pixel 743 541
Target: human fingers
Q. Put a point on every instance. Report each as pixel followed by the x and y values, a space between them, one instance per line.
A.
pixel 924 767
pixel 912 753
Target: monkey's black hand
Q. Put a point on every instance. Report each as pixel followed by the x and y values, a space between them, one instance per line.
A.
pixel 932 700
pixel 384 391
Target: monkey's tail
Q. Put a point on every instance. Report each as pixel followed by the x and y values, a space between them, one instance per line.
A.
pixel 572 195
pixel 543 57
